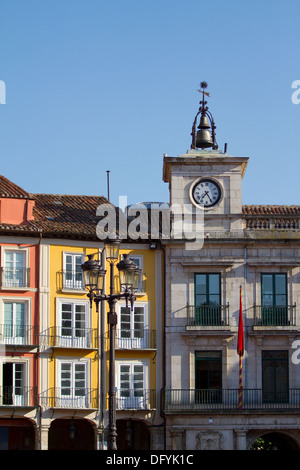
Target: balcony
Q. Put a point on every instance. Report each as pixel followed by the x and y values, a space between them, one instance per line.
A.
pixel 274 316
pixel 72 281
pixel 68 337
pixel 74 398
pixel 216 316
pixel 183 400
pixel 136 399
pixel 15 278
pixel 271 223
pixel 18 396
pixel 135 339
pixel 18 335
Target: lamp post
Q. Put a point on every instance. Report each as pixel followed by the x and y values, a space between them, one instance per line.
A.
pixel 94 275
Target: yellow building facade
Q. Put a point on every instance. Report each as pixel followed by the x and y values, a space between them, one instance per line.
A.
pixel 70 349
pixel 75 353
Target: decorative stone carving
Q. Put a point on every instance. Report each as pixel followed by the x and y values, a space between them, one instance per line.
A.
pixel 209 440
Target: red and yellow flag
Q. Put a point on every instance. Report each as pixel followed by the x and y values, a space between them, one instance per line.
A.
pixel 240 343
pixel 240 350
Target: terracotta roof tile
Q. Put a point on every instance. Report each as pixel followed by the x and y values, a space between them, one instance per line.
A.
pixel 55 214
pixel 11 190
pixel 67 215
pixel 271 210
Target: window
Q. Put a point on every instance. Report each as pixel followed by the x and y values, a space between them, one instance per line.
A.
pixel 14 314
pixel 72 271
pixel 132 333
pixel 73 331
pixel 131 391
pixel 208 299
pixel 275 388
pixel 208 376
pixel 274 299
pixel 13 384
pixel 14 272
pixel 138 260
pixel 73 389
pixel 15 326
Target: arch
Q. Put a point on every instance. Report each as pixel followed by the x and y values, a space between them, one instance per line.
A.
pixel 132 434
pixel 18 434
pixel 72 434
pixel 274 440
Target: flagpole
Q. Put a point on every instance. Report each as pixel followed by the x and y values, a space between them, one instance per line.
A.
pixel 240 383
pixel 240 351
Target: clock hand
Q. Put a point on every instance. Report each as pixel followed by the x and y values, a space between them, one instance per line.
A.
pixel 206 194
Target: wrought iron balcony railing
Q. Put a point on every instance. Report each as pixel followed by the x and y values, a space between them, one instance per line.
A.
pixel 72 280
pixel 69 337
pixel 67 397
pixel 15 277
pixel 135 339
pixel 135 399
pixel 228 399
pixel 18 396
pixel 274 315
pixel 208 315
pixel 18 335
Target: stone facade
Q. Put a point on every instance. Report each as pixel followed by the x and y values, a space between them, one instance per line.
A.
pixel 253 247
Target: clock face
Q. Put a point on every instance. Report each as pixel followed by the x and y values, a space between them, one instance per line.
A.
pixel 206 192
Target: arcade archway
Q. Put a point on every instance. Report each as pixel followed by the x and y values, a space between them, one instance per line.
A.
pixel 17 434
pixel 132 435
pixel 274 441
pixel 72 434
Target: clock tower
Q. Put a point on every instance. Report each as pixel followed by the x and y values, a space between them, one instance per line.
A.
pixel 206 177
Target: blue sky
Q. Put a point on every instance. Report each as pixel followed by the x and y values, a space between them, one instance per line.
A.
pixel 93 85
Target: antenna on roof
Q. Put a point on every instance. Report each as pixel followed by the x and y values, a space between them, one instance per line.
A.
pixel 107 171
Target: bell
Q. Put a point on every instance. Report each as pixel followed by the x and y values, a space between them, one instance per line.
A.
pixel 203 139
pixel 203 136
pixel 203 122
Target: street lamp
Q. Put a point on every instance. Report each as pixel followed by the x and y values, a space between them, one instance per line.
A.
pixel 94 275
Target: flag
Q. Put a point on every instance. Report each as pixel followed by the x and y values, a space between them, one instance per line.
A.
pixel 240 349
pixel 240 343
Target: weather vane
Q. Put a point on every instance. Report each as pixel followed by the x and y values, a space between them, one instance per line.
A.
pixel 203 85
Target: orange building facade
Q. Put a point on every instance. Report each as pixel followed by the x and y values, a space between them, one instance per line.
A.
pixel 19 321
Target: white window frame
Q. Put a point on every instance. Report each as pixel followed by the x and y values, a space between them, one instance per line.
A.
pixel 130 340
pixel 74 286
pixel 72 401
pixel 14 284
pixel 16 340
pixel 132 401
pixel 18 400
pixel 72 340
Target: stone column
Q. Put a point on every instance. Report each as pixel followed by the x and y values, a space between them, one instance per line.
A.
pixel 178 440
pixel 101 438
pixel 241 443
pixel 157 438
pixel 44 433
